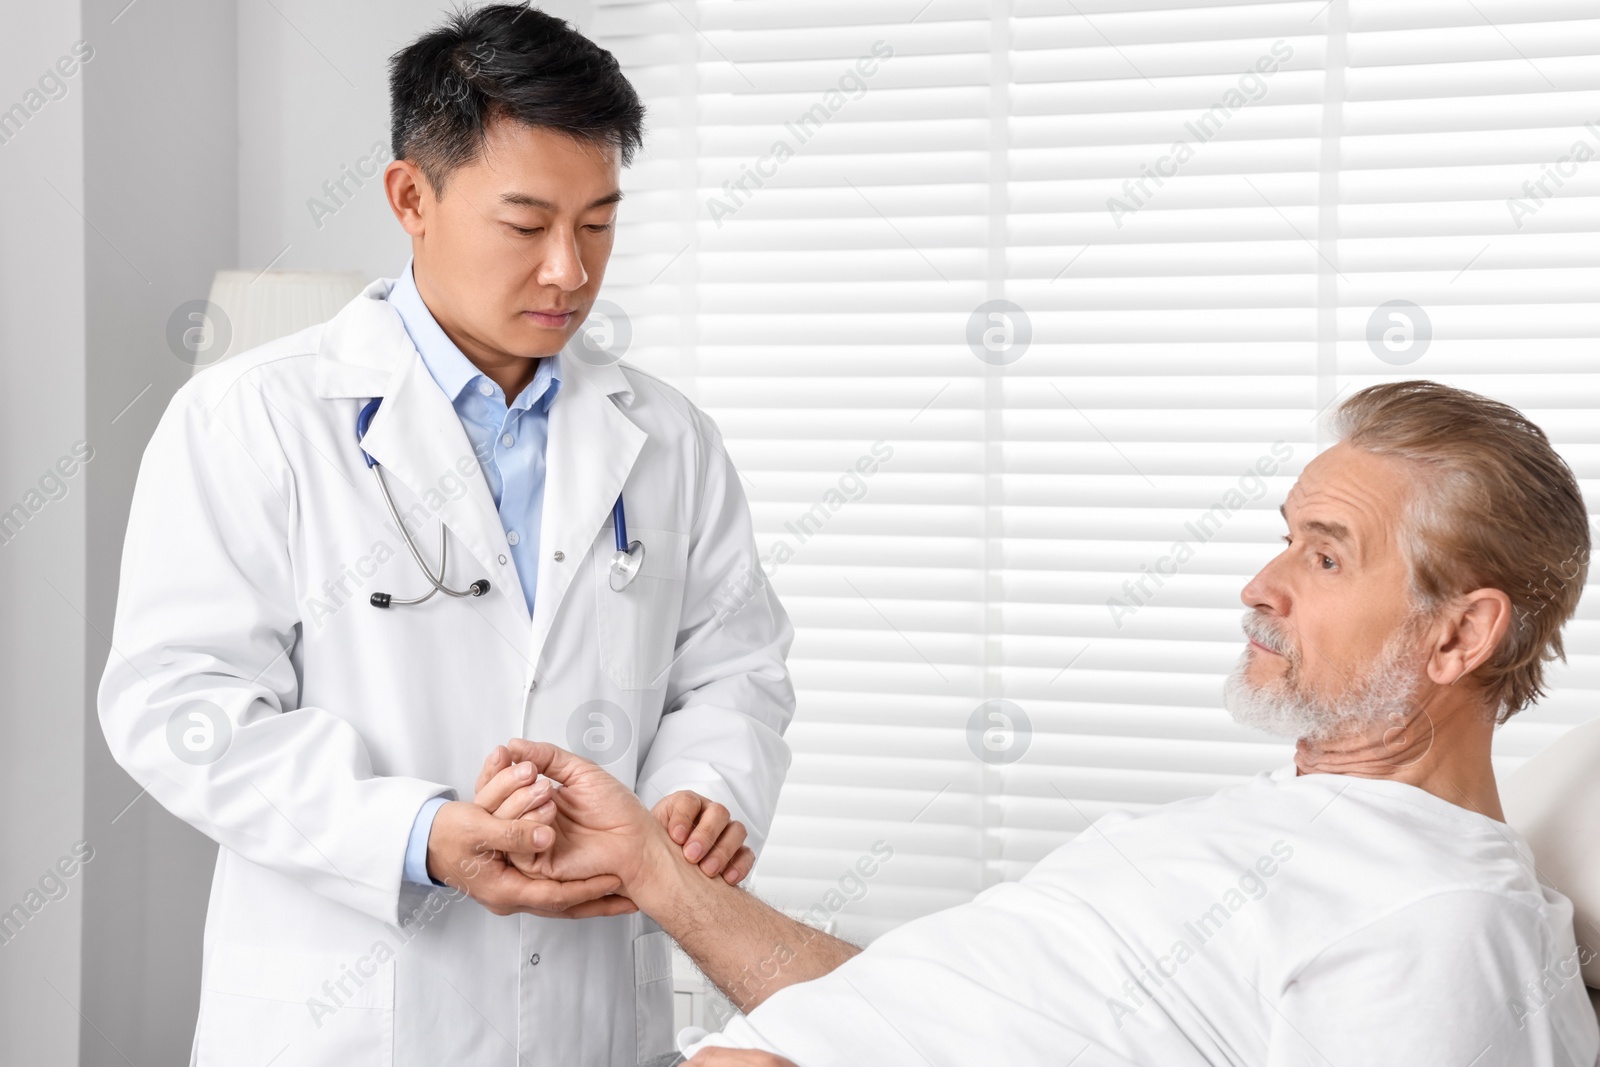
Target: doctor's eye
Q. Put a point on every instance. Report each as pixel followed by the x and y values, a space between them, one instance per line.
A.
pixel 1327 563
pixel 524 231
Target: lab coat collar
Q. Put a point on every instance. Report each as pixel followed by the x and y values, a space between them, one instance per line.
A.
pixel 449 365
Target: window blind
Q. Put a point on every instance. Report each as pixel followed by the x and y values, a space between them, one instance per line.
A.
pixel 1019 319
pixel 1467 194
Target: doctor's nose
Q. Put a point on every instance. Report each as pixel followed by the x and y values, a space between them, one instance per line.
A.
pixel 562 266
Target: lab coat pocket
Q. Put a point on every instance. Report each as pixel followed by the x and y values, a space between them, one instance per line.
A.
pixel 638 625
pixel 652 980
pixel 295 1009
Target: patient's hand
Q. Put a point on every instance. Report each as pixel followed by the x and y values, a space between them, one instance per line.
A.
pixel 600 827
pixel 708 836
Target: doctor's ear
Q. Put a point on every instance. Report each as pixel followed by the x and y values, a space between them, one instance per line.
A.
pixel 410 195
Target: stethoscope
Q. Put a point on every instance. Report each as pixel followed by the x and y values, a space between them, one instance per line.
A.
pixel 625 564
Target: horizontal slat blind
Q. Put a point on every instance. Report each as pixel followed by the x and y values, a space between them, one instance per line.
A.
pixel 1196 207
pixel 1453 116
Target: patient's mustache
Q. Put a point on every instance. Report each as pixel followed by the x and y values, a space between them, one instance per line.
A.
pixel 1259 630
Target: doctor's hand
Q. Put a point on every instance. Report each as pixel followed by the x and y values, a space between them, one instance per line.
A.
pixel 709 836
pixel 467 850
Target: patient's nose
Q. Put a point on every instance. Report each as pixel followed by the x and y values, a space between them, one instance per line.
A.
pixel 1265 593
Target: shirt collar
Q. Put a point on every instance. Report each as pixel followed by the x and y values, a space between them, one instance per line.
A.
pixel 542 390
pixel 446 363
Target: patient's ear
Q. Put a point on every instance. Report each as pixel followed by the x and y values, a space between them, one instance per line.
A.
pixel 1473 626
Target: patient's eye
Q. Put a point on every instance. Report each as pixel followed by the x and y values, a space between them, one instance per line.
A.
pixel 1328 563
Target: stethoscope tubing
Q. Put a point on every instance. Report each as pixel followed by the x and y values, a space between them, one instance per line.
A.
pixel 477 588
pixel 435 581
pixel 625 565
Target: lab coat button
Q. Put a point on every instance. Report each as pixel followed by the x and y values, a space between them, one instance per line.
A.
pixel 560 555
pixel 502 559
pixel 533 960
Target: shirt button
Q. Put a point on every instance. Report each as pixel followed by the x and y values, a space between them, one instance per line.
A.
pixel 507 440
pixel 560 555
pixel 485 388
pixel 513 538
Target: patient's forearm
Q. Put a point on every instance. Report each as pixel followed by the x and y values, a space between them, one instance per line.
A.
pixel 747 948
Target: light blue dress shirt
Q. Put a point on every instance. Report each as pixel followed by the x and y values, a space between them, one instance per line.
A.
pixel 509 442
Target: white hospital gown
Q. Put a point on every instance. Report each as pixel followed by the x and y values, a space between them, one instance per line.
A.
pixel 1322 920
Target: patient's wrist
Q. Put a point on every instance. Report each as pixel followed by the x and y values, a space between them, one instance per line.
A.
pixel 667 882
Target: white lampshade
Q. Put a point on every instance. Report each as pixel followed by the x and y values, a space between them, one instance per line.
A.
pixel 261 306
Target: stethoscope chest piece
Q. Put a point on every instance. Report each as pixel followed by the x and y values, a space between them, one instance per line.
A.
pixel 625 565
pixel 629 556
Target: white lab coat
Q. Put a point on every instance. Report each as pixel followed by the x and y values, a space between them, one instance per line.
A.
pixel 256 536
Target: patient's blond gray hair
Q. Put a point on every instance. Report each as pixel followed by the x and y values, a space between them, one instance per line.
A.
pixel 1493 506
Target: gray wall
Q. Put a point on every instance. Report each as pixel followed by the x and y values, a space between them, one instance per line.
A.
pixel 119 201
pixel 313 98
pixel 41 563
pixel 160 141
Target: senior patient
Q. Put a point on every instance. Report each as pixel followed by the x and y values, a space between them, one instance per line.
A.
pixel 1363 905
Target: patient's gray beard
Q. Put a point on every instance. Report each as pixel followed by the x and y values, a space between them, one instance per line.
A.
pixel 1284 708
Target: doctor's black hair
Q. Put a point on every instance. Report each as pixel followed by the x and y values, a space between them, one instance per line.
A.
pixel 505 61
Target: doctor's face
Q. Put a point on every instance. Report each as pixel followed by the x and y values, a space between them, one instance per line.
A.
pixel 510 258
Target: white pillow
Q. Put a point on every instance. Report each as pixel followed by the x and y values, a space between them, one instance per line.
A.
pixel 1553 800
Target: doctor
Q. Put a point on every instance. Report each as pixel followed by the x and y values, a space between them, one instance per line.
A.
pixel 258 690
